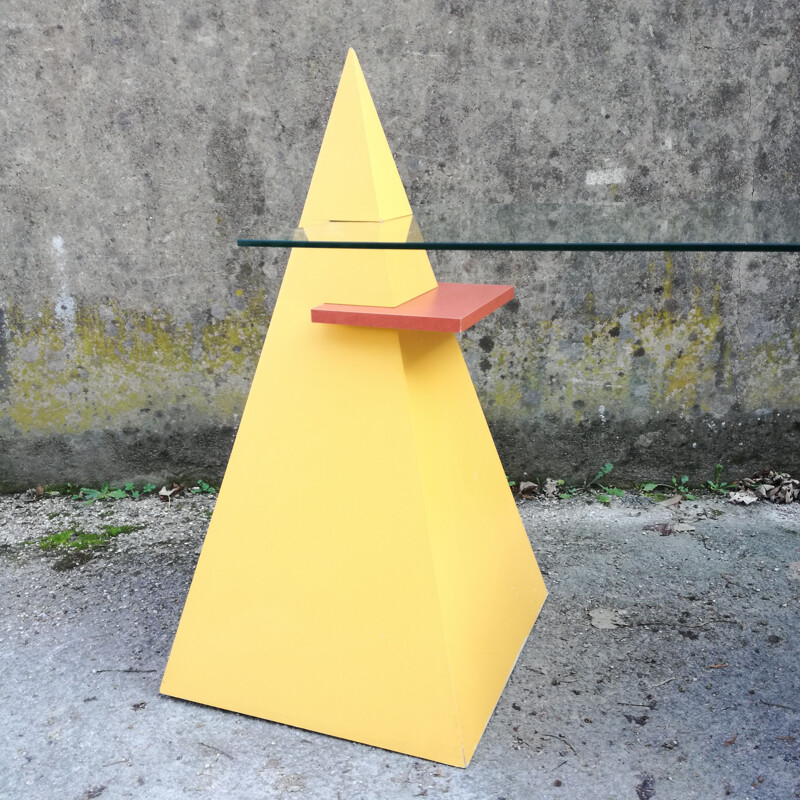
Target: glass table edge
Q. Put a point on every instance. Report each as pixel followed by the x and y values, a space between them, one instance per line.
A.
pixel 731 247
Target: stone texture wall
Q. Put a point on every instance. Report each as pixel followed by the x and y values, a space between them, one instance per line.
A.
pixel 140 139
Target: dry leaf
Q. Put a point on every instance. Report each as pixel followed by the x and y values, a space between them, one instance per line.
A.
pixel 166 494
pixel 671 501
pixel 550 488
pixel 778 487
pixel 664 528
pixel 745 497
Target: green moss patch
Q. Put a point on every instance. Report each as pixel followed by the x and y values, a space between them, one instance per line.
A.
pixel 78 539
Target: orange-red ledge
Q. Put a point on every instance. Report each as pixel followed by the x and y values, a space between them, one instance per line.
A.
pixel 449 308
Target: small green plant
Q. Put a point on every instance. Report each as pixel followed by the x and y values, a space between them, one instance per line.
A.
pixel 603 494
pixel 567 491
pixel 511 483
pixel 205 488
pixel 105 492
pixel 135 494
pixel 677 486
pixel 604 470
pixel 606 492
pixel 718 486
pixel 682 486
pixel 650 489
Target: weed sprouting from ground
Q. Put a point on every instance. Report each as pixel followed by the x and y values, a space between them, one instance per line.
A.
pixel 203 488
pixel 718 486
pixel 107 492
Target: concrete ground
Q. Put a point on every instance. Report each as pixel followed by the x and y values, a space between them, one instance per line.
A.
pixel 664 666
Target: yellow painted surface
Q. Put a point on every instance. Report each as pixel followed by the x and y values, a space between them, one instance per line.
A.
pixel 490 587
pixel 375 277
pixel 387 617
pixel 355 178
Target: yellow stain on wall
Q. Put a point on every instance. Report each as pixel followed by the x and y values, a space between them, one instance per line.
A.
pixel 774 380
pixel 113 362
pixel 666 360
pixel 684 352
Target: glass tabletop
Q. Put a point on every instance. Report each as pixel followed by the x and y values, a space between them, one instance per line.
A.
pixel 758 226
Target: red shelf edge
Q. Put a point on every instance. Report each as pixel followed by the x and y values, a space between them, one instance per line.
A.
pixel 449 308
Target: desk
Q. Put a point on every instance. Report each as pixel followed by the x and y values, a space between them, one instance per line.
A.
pixel 366 573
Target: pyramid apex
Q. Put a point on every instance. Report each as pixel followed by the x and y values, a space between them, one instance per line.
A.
pixel 351 60
pixel 355 178
pixel 351 70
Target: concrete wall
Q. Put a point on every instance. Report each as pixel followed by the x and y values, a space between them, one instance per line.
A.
pixel 137 140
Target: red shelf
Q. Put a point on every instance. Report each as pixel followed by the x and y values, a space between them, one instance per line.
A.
pixel 450 308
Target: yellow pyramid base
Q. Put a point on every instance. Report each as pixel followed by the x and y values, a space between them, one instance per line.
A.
pixel 365 573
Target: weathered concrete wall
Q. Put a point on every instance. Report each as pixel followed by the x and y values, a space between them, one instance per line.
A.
pixel 138 140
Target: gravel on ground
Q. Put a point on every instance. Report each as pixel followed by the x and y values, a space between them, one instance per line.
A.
pixel 665 664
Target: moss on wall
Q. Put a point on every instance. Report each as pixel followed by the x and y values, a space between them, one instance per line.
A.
pixel 108 364
pixel 680 363
pixel 670 357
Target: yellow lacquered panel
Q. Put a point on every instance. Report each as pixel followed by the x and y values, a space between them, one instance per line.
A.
pixel 365 573
pixel 355 178
pixel 490 587
pixel 314 601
